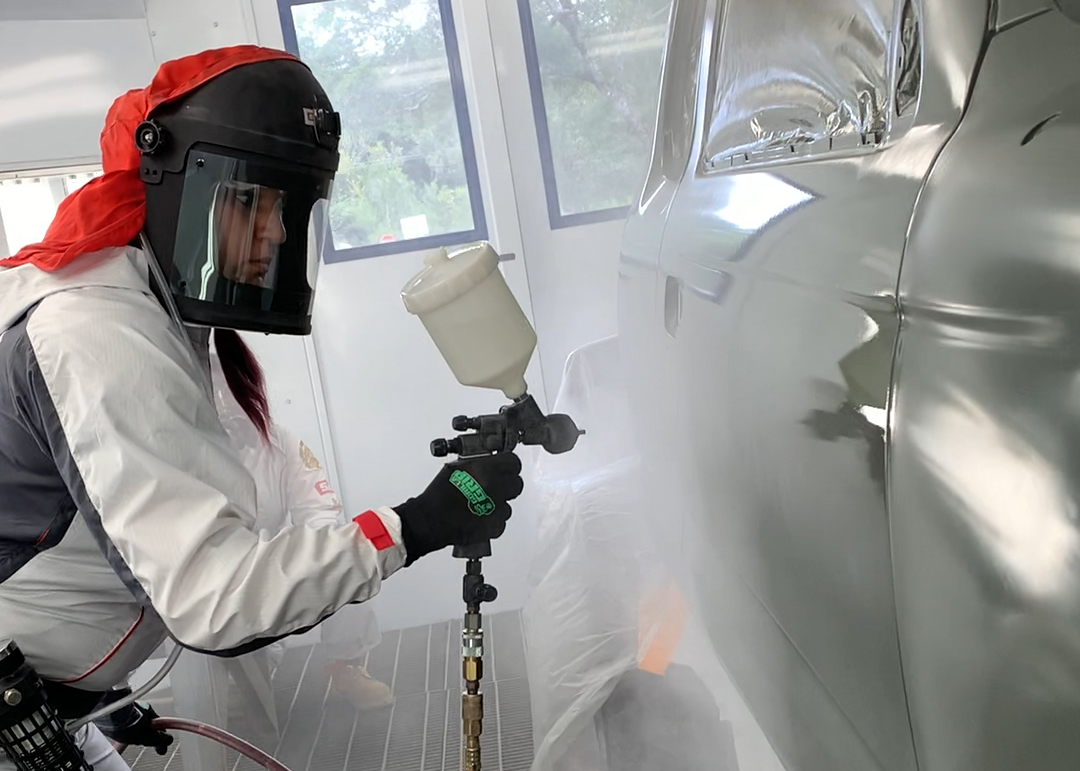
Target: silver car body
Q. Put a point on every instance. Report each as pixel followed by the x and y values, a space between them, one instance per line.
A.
pixel 854 358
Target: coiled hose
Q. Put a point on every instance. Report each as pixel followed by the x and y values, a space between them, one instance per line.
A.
pixel 180 724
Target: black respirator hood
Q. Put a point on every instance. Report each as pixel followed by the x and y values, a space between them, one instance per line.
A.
pixel 271 123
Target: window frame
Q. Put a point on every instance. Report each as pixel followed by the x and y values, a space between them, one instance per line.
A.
pixel 479 232
pixel 556 219
pixel 53 174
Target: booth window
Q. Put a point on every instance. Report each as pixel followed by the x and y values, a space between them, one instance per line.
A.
pixel 791 77
pixel 594 75
pixel 408 176
pixel 28 202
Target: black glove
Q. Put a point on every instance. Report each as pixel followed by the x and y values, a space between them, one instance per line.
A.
pixel 465 504
pixel 130 725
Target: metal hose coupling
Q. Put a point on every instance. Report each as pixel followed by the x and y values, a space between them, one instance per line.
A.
pixel 475 592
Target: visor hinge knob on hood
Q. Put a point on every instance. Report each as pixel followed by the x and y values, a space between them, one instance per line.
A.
pixel 149 139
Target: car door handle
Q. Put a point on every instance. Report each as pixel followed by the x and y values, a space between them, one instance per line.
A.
pixel 672 305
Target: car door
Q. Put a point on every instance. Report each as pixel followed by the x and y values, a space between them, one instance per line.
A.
pixel 772 324
pixel 985 487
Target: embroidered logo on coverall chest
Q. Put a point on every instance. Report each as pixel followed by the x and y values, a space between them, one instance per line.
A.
pixel 479 502
pixel 307 457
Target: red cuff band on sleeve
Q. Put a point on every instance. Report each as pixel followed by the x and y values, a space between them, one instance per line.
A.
pixel 374 530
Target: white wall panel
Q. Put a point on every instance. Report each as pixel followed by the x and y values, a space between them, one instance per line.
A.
pixel 182 27
pixel 60 72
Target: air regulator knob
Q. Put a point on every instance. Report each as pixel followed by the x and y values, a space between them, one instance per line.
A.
pixel 464 423
pixel 440 448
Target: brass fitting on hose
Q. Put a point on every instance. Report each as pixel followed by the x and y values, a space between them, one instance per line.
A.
pixel 472 701
pixel 472 726
pixel 472 756
pixel 473 670
pixel 474 591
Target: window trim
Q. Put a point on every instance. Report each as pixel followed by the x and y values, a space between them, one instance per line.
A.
pixel 51 174
pixel 556 218
pixel 479 232
pixel 66 170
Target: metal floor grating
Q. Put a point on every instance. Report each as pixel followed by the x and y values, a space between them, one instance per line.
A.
pixel 421 731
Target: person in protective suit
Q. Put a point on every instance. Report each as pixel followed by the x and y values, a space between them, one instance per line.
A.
pixel 126 516
pixel 293 488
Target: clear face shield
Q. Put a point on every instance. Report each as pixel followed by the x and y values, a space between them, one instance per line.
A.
pixel 245 232
pixel 249 240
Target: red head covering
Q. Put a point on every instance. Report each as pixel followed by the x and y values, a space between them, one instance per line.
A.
pixel 111 209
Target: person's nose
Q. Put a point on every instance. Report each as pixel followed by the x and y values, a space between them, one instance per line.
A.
pixel 271 228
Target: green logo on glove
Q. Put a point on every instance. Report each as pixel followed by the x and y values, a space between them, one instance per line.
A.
pixel 479 502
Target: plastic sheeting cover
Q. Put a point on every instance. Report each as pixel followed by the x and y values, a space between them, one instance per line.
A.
pixel 597 605
pixel 789 73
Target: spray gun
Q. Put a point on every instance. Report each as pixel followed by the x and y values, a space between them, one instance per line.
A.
pixel 481 331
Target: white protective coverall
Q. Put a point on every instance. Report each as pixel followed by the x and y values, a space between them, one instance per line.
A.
pixel 293 488
pixel 113 454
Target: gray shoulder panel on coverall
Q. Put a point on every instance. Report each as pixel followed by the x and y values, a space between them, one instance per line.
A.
pixel 43 487
pixel 36 507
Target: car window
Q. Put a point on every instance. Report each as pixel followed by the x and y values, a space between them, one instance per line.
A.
pixel 787 75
